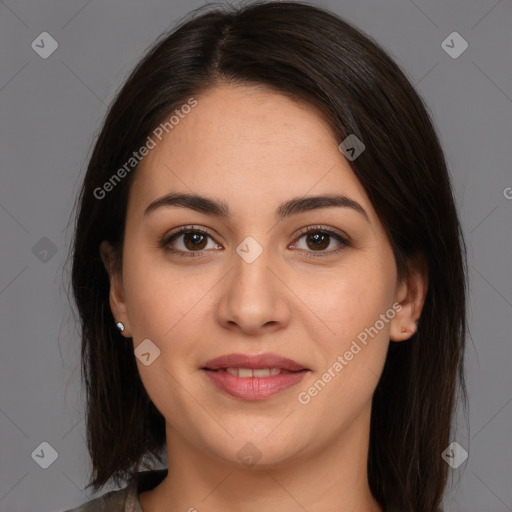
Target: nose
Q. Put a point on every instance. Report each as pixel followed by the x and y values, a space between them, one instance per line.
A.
pixel 254 299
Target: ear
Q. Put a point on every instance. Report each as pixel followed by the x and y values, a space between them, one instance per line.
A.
pixel 116 295
pixel 410 294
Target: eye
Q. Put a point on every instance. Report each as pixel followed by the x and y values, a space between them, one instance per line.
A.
pixel 190 241
pixel 318 239
pixel 187 241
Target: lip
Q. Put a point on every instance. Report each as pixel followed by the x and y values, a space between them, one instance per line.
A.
pixel 253 388
pixel 267 360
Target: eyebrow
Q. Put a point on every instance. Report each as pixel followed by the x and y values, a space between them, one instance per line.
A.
pixel 287 209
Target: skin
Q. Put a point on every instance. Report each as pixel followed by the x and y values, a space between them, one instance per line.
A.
pixel 254 149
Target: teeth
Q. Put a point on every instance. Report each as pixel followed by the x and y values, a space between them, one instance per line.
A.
pixel 245 372
pixel 256 372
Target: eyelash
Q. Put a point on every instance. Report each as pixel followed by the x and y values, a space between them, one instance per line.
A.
pixel 164 243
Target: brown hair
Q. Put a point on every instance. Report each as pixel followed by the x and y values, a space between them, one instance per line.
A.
pixel 309 54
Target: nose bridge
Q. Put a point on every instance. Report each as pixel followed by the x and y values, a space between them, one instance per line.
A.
pixel 252 298
pixel 251 264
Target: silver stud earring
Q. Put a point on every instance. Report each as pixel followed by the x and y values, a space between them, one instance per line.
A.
pixel 120 326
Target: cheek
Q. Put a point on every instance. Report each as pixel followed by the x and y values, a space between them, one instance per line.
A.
pixel 358 307
pixel 169 305
pixel 353 345
pixel 158 294
pixel 349 299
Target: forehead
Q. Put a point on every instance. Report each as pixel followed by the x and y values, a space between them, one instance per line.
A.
pixel 250 147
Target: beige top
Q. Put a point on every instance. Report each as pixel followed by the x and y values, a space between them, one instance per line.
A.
pixel 126 499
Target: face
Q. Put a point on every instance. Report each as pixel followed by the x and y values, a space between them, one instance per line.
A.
pixel 252 282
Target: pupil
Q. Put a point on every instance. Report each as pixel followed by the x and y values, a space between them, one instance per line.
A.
pixel 319 240
pixel 194 238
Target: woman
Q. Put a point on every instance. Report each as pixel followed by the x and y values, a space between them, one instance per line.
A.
pixel 266 216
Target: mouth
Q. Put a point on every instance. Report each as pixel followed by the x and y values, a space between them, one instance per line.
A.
pixel 246 373
pixel 256 362
pixel 253 377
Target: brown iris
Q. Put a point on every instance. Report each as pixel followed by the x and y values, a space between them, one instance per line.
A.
pixel 195 239
pixel 320 240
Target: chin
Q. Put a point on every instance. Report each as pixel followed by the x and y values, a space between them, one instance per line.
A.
pixel 256 452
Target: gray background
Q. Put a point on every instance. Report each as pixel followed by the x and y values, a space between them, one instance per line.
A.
pixel 50 110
